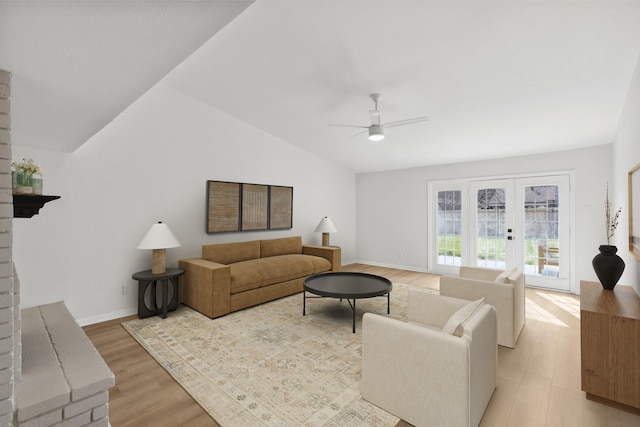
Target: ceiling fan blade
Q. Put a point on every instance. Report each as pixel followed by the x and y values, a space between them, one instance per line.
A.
pixel 375 117
pixel 360 133
pixel 351 126
pixel 406 122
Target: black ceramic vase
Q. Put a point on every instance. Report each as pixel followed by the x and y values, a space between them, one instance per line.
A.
pixel 608 266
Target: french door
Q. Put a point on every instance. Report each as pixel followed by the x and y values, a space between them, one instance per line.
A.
pixel 492 224
pixel 519 222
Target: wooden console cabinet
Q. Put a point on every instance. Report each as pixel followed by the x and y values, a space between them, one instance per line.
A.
pixel 610 345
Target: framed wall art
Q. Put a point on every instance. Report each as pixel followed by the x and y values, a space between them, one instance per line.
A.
pixel 280 207
pixel 255 207
pixel 634 211
pixel 235 206
pixel 223 206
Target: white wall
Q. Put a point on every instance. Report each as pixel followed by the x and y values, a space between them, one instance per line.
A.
pixel 392 206
pixel 626 154
pixel 152 163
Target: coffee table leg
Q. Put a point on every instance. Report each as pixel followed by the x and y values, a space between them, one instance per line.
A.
pixel 304 303
pixel 389 303
pixel 354 315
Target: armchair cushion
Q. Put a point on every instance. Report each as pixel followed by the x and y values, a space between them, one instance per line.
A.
pixel 504 276
pixel 437 314
pixel 455 324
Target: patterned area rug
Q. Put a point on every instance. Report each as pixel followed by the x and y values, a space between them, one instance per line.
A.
pixel 270 366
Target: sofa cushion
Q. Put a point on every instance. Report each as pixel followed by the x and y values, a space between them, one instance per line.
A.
pixel 256 273
pixel 455 324
pixel 319 264
pixel 284 246
pixel 229 253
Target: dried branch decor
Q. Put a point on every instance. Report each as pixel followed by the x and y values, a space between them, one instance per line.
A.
pixel 611 221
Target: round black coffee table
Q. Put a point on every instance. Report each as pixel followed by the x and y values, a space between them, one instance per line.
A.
pixel 346 285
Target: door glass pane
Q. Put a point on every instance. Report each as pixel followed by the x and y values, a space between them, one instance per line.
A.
pixel 541 242
pixel 490 226
pixel 449 227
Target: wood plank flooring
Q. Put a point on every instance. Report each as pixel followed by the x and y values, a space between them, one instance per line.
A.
pixel 538 381
pixel 144 394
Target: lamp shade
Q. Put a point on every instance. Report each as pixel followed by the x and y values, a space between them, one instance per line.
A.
pixel 326 226
pixel 159 236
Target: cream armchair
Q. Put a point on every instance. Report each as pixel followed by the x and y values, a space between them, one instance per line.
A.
pixel 437 369
pixel 502 289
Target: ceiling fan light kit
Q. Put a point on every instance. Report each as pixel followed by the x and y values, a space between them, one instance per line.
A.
pixel 376 129
pixel 376 133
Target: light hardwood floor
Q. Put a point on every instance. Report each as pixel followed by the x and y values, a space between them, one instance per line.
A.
pixel 538 381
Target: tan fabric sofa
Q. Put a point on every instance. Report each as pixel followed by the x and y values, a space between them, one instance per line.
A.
pixel 232 276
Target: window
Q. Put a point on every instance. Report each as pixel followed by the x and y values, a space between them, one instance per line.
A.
pixel 449 226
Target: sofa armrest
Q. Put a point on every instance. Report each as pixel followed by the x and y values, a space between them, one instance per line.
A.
pixel 205 286
pixel 333 254
pixel 415 372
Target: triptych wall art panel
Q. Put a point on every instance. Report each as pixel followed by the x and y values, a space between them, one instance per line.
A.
pixel 234 206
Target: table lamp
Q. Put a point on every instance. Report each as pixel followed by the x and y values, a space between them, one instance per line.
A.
pixel 159 238
pixel 325 227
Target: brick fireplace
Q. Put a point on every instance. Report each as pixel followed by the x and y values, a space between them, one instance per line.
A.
pixel 10 346
pixel 50 373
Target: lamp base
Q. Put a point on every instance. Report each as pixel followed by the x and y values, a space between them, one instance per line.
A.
pixel 159 262
pixel 325 239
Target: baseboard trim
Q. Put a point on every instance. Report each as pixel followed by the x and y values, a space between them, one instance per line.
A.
pixel 398 267
pixel 85 321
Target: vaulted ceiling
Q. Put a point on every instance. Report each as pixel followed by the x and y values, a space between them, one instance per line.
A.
pixel 76 65
pixel 496 78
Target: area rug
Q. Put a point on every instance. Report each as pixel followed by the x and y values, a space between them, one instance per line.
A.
pixel 270 366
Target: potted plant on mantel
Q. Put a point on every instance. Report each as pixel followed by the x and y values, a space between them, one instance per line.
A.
pixel 26 177
pixel 607 264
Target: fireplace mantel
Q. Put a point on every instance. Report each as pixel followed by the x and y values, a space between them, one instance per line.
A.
pixel 28 205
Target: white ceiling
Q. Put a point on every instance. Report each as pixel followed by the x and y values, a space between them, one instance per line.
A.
pixel 76 65
pixel 496 78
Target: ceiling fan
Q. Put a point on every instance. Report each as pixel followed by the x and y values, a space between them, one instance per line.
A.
pixel 376 130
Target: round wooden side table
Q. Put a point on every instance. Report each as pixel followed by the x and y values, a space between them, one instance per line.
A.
pixel 147 281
